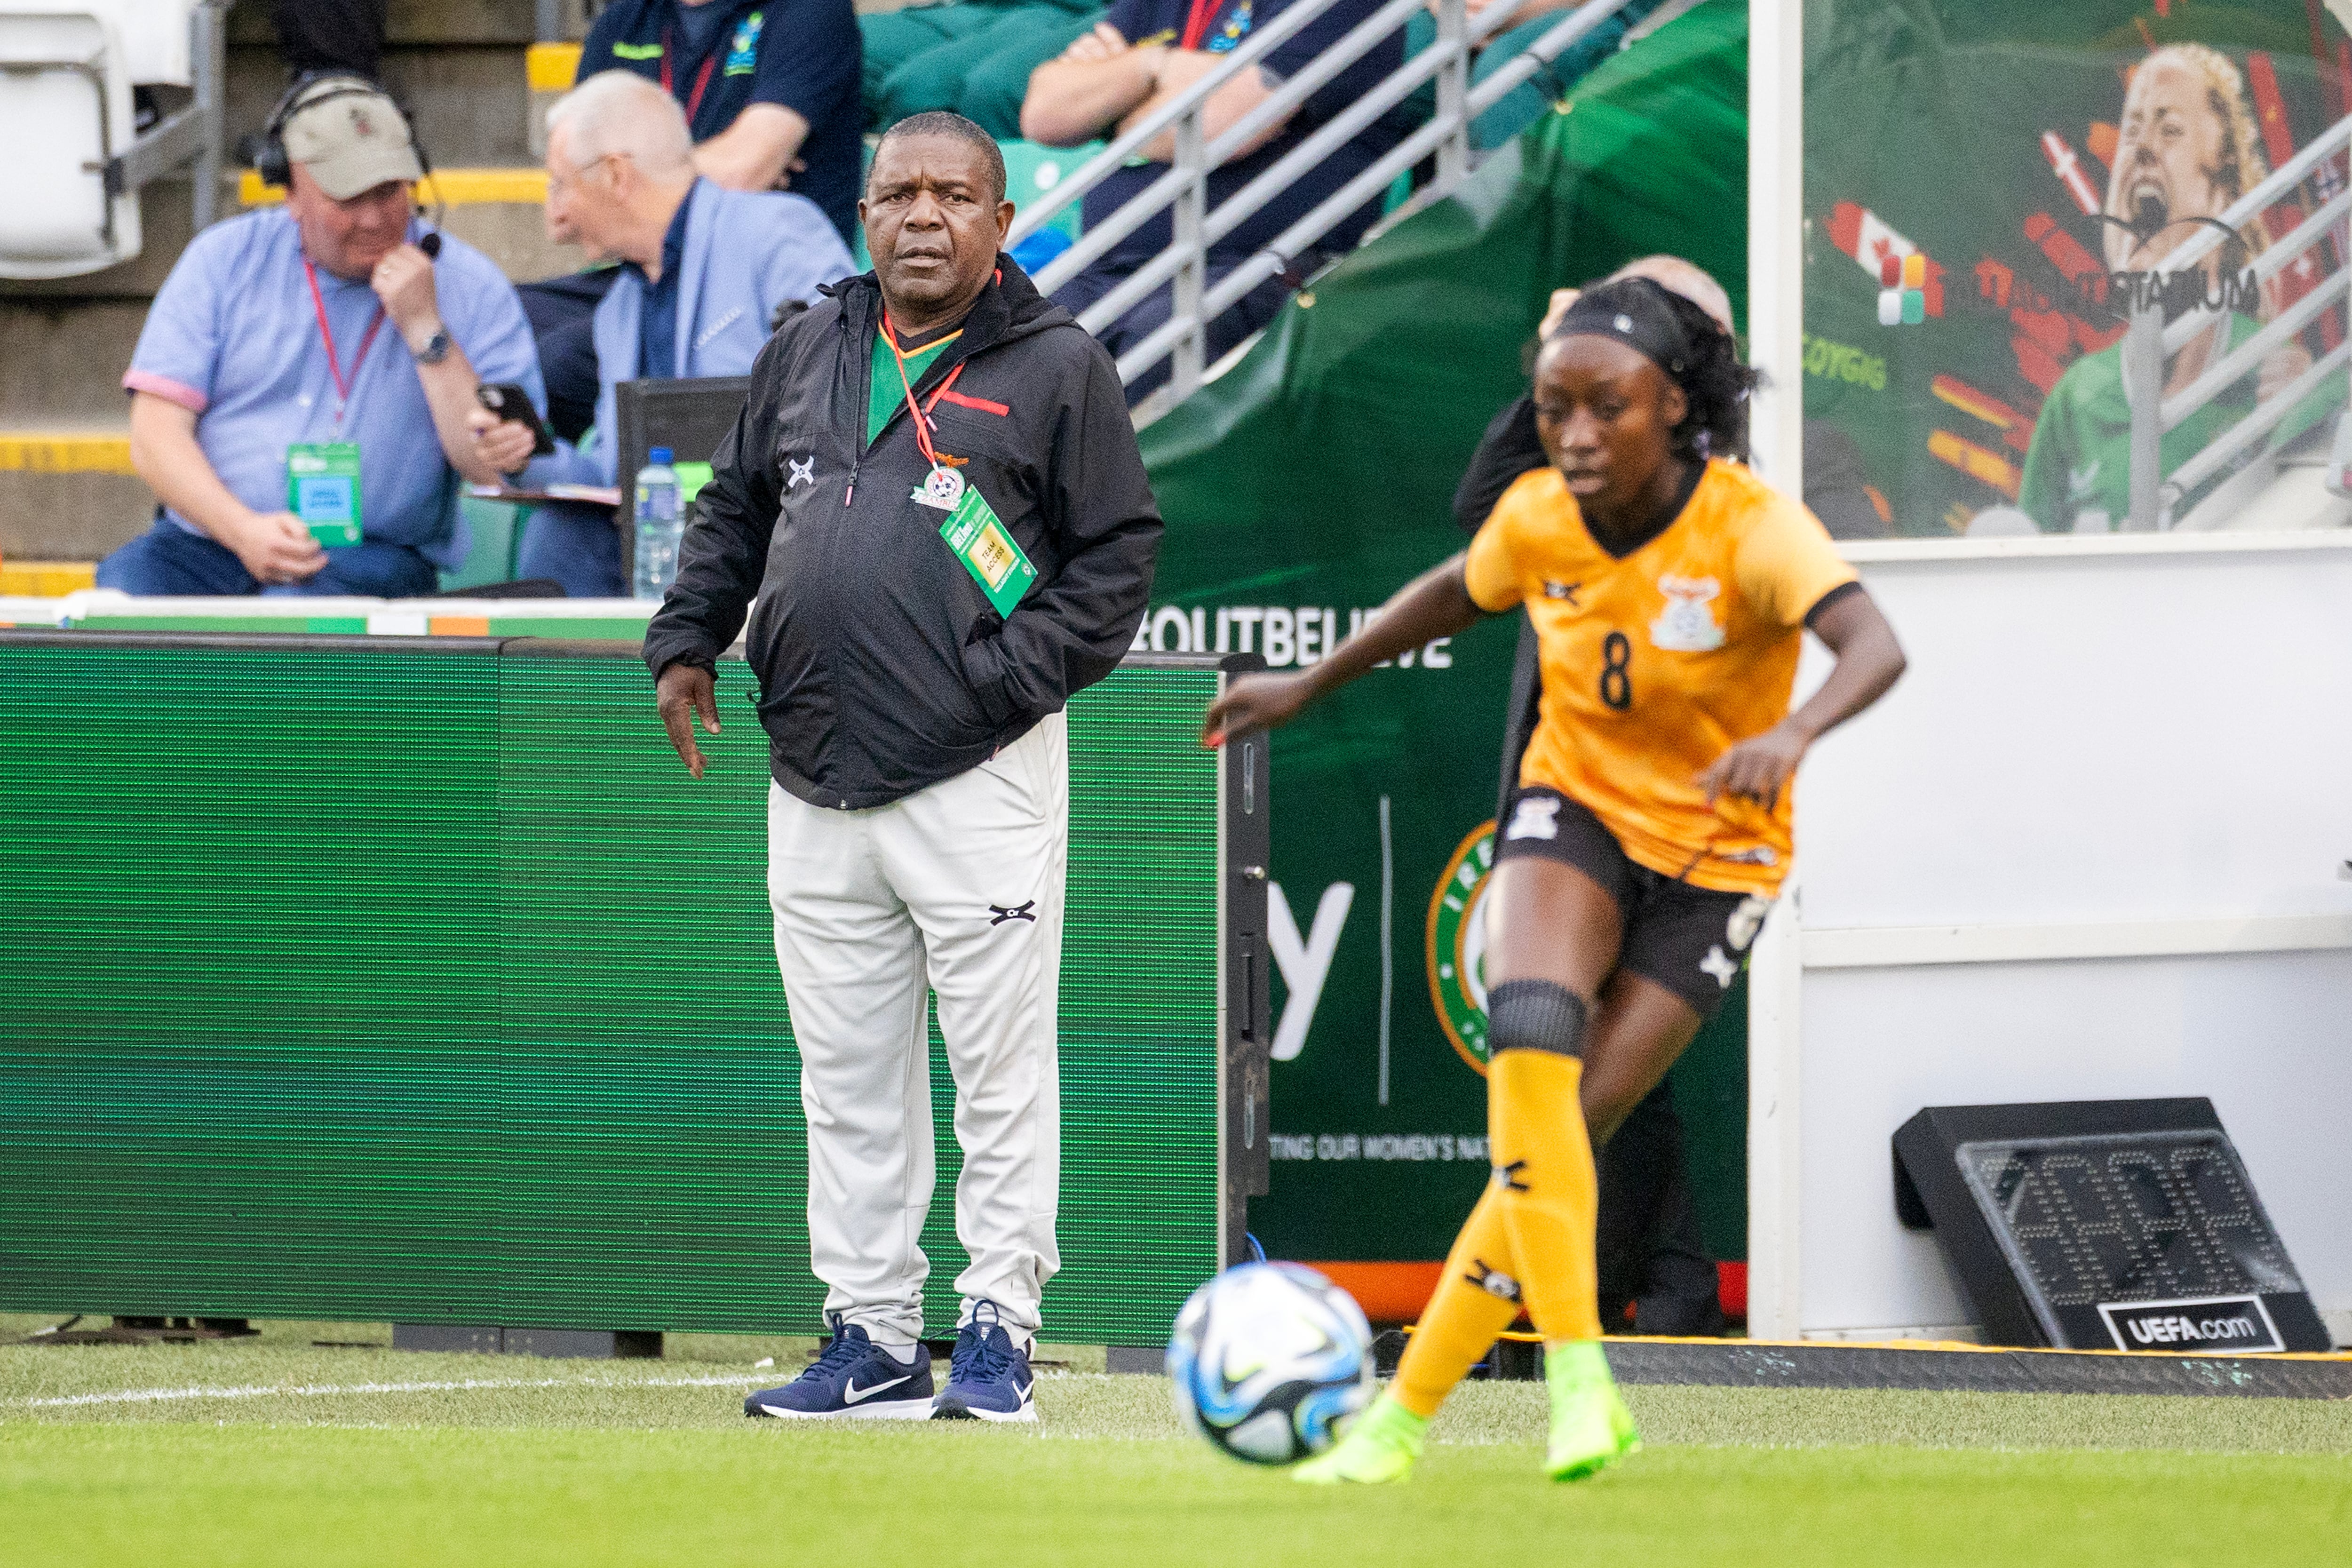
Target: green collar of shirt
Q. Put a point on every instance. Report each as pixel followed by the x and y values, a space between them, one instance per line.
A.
pixel 886 392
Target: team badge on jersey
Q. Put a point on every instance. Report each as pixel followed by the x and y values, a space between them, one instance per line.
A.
pixel 743 51
pixel 1687 625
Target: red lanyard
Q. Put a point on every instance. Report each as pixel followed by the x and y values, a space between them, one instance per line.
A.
pixel 922 434
pixel 1197 20
pixel 326 333
pixel 701 78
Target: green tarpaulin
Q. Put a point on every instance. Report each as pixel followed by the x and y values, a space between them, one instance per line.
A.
pixel 1313 479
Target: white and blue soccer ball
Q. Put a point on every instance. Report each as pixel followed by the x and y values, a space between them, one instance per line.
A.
pixel 1269 1358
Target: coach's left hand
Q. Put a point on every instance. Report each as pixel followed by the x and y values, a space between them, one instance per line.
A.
pixel 1756 767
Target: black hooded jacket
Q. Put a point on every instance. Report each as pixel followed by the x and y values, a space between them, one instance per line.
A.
pixel 883 669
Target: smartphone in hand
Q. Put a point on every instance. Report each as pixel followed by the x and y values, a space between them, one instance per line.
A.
pixel 509 401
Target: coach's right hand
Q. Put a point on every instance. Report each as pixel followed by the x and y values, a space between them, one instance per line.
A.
pixel 684 692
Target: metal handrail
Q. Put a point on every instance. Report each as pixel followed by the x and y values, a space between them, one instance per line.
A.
pixel 1272 258
pixel 1095 169
pixel 1182 187
pixel 1296 90
pixel 2274 188
pixel 2268 265
pixel 2266 415
pixel 2248 356
pixel 1335 132
pixel 2150 342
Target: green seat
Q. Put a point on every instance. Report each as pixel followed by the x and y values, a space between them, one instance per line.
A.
pixel 1031 170
pixel 496 530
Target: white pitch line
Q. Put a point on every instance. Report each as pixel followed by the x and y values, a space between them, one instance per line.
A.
pixel 156 1395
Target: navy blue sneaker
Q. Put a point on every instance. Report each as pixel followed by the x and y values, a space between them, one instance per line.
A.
pixel 989 1377
pixel 853 1377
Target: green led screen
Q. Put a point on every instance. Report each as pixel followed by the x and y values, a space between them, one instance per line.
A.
pixel 415 981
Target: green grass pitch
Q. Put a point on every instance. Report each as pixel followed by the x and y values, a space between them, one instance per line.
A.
pixel 275 1451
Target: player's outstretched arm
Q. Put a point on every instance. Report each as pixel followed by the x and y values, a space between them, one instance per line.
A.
pixel 1434 605
pixel 1869 660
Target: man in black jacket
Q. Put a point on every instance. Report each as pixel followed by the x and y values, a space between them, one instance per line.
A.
pixel 934 494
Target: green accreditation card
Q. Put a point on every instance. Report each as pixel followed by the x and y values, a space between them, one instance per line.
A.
pixel 322 489
pixel 984 545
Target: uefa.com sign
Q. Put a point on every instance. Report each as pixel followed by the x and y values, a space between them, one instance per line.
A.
pixel 2208 1325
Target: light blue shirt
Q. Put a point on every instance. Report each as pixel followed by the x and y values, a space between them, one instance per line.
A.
pixel 234 337
pixel 746 253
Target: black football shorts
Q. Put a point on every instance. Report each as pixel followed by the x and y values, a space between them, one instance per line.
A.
pixel 1692 941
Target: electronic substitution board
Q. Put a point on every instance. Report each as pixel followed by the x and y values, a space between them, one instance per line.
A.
pixel 413 979
pixel 2104 1225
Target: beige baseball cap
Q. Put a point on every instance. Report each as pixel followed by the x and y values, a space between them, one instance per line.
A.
pixel 350 137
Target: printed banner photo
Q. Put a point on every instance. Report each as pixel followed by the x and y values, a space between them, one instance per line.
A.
pixel 1989 183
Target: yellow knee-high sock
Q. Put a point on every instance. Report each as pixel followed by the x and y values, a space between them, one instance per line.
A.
pixel 1544 1178
pixel 1477 1298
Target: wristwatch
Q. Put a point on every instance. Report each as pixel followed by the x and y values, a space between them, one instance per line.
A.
pixel 436 349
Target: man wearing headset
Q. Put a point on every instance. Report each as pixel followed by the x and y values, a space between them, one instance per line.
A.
pixel 298 396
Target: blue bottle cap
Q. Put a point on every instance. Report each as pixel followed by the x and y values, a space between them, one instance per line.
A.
pixel 659 456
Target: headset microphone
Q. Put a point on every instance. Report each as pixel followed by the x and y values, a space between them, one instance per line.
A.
pixel 275 168
pixel 430 244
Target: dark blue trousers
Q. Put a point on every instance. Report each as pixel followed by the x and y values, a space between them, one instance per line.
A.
pixel 168 559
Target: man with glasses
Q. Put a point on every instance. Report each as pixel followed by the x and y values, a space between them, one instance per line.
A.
pixel 703 272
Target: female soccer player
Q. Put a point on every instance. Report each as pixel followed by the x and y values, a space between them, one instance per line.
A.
pixel 1652 823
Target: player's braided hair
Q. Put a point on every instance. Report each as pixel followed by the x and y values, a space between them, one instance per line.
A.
pixel 1713 383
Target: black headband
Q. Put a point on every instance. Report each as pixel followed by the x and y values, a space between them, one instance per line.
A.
pixel 1635 313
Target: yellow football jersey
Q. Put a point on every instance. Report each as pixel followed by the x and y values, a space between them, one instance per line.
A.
pixel 1656 663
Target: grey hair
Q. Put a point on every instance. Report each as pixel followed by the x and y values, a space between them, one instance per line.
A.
pixel 619 114
pixel 955 128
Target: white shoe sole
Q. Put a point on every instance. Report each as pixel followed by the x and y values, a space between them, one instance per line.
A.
pixel 1027 1413
pixel 873 1410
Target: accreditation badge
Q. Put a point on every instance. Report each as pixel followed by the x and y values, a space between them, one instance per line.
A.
pixel 322 489
pixel 985 546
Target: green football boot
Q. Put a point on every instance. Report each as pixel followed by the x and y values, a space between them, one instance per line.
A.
pixel 1382 1446
pixel 1590 1427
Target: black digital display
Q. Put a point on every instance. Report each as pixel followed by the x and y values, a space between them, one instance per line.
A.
pixel 2110 1224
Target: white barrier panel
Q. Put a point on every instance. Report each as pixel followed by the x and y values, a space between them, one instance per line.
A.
pixel 2093 846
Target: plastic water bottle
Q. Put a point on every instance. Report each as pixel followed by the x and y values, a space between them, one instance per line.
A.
pixel 659 527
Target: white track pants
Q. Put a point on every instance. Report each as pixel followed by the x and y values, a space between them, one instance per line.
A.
pixel 955 891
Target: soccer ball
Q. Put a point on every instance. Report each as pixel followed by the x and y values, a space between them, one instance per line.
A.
pixel 1267 1358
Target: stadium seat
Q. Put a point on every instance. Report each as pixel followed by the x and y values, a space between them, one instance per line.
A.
pixel 70 121
pixel 494 529
pixel 67 112
pixel 1032 169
